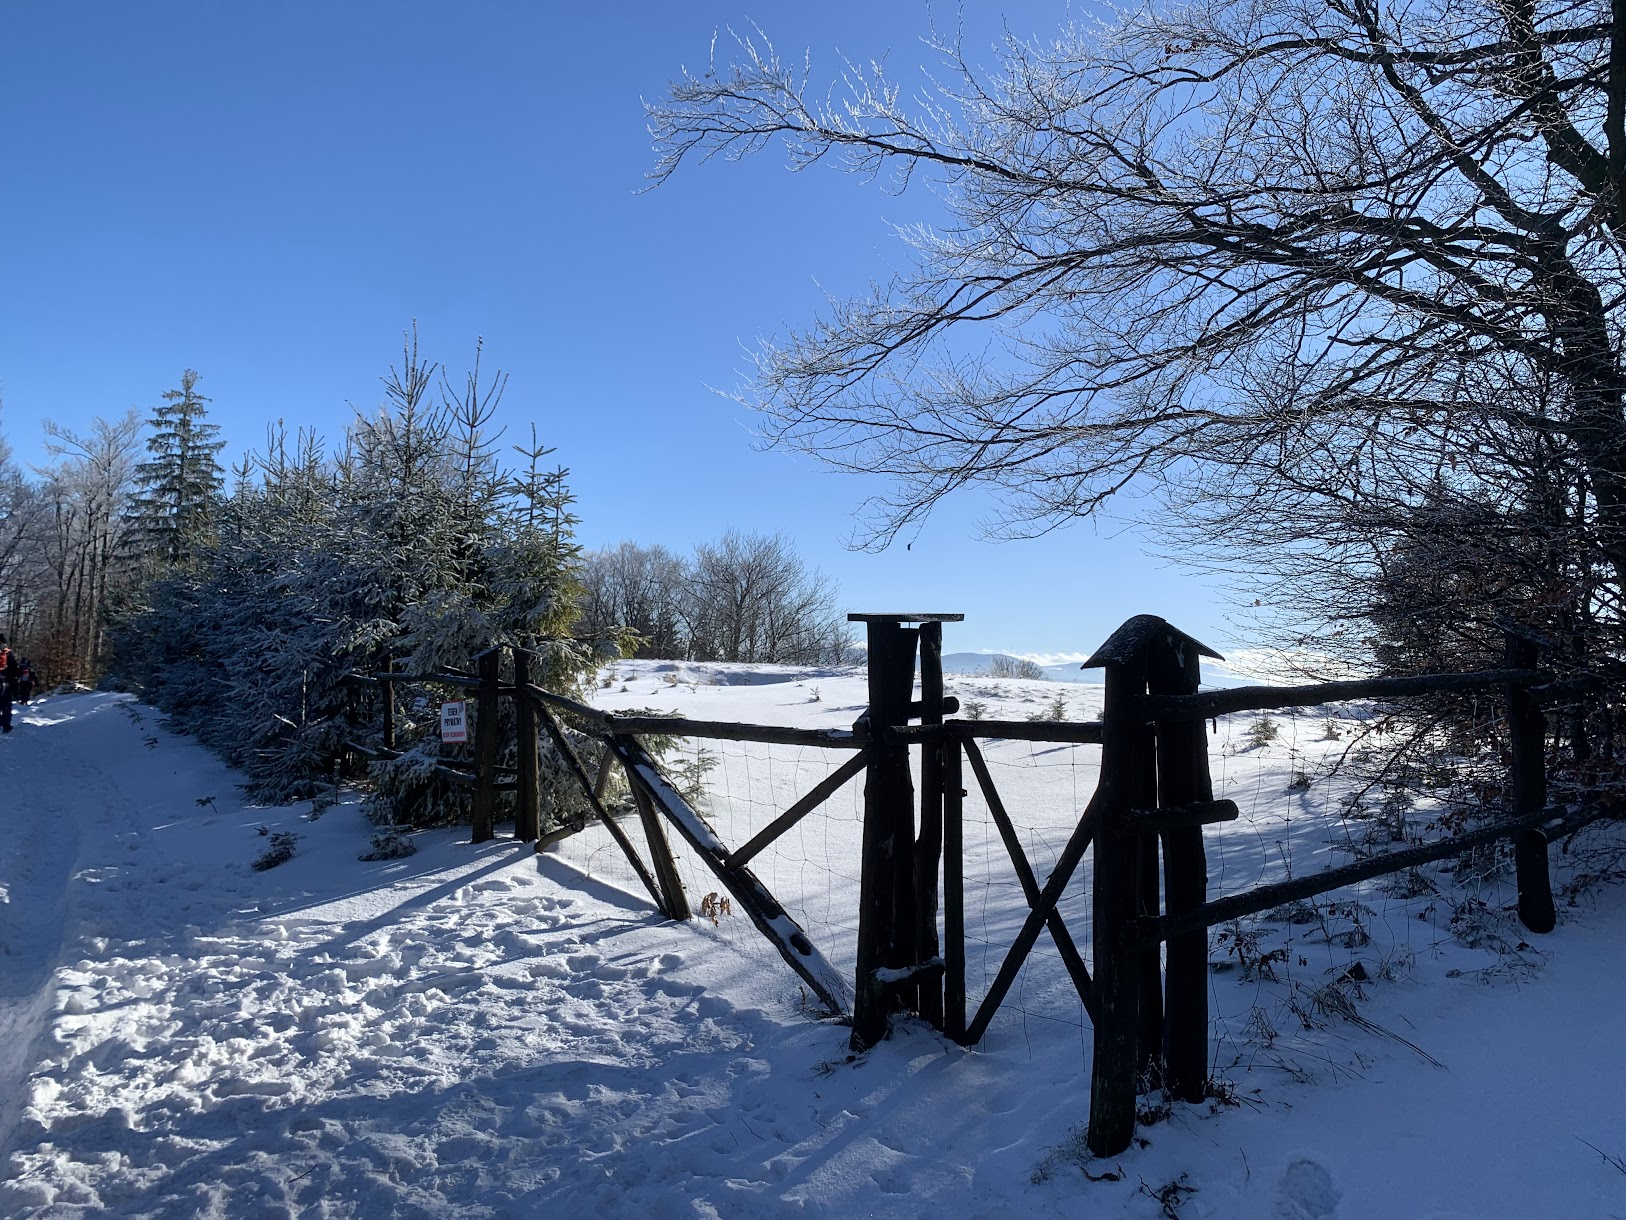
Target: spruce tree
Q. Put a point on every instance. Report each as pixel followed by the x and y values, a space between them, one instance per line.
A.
pixel 412 547
pixel 179 489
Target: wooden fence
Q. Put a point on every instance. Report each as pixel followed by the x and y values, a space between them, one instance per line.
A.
pixel 1149 1006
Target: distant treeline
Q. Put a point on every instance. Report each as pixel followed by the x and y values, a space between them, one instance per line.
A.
pixel 747 597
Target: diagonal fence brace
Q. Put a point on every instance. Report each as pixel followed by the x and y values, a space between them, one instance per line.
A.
pixel 574 763
pixel 1037 917
pixel 1070 956
pixel 771 919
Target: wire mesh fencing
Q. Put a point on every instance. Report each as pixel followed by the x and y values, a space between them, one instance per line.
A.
pixel 1324 787
pixel 1043 789
pixel 1316 788
pixel 740 787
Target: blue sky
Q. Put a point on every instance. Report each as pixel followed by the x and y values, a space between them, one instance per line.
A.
pixel 271 194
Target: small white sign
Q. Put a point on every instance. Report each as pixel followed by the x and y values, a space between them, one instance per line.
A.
pixel 454 724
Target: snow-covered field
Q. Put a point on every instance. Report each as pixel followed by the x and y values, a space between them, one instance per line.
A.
pixel 486 1031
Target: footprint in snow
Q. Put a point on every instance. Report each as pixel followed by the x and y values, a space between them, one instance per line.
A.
pixel 892 1180
pixel 1305 1191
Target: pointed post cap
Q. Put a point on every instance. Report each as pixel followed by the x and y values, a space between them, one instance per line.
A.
pixel 1126 643
pixel 902 617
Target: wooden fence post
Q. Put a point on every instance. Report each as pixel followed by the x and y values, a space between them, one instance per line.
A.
pixel 1116 897
pixel 1148 896
pixel 1527 737
pixel 528 802
pixel 929 846
pixel 885 939
pixel 485 744
pixel 1139 772
pixel 1183 779
pixel 953 895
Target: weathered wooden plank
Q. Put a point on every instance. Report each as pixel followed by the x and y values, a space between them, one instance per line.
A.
pixel 906 618
pixel 1078 732
pixel 721 730
pixel 1148 901
pixel 886 914
pixel 1267 897
pixel 1186 790
pixel 752 897
pixel 953 894
pixel 1208 704
pixel 1115 902
pixel 1195 814
pixel 826 788
pixel 1070 956
pixel 675 903
pixel 599 722
pixel 527 804
pixel 571 707
pixel 928 848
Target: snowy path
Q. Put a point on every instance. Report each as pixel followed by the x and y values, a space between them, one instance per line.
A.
pixel 226 1042
pixel 483 1032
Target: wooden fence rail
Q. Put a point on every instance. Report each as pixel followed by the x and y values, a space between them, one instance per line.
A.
pixel 1086 732
pixel 1172 708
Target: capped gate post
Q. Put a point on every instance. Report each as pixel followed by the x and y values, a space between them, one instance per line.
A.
pixel 1135 763
pixel 888 914
pixel 1183 778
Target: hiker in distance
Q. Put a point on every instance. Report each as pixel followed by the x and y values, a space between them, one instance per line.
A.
pixel 8 683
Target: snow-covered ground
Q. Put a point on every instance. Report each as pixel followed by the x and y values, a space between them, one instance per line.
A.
pixel 479 1031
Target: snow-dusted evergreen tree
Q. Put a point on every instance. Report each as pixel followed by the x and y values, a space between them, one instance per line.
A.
pixel 179 488
pixel 412 548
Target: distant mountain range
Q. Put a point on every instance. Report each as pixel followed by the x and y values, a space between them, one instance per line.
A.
pixel 1215 673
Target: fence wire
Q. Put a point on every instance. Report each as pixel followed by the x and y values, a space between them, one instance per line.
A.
pixel 1317 788
pixel 1323 787
pixel 1044 789
pixel 740 787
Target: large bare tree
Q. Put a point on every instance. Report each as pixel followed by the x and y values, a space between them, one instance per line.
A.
pixel 1307 266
